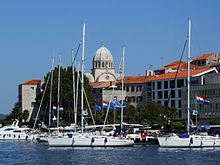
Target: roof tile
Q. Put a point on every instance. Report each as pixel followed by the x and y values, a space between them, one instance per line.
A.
pixel 31 82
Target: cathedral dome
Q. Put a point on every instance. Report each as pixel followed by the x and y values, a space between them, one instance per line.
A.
pixel 103 54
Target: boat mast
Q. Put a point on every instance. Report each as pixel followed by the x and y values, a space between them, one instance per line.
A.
pixel 51 91
pixel 122 86
pixel 74 89
pixel 58 96
pixel 188 79
pixel 82 84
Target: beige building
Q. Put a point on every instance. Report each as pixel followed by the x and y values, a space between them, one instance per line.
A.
pixel 27 93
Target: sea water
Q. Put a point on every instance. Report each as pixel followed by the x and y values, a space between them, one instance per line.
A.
pixel 25 153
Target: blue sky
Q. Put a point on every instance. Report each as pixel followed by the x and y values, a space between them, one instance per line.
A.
pixel 153 31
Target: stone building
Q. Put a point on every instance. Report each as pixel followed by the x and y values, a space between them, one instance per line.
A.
pixel 27 93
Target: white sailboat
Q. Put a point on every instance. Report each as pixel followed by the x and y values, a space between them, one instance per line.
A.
pixel 188 140
pixel 84 139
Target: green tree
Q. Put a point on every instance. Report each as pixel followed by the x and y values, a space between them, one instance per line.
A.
pixel 129 114
pixel 214 122
pixel 66 96
pixel 25 115
pixel 178 127
pixel 15 112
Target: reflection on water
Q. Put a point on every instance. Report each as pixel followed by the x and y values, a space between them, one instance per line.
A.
pixel 34 153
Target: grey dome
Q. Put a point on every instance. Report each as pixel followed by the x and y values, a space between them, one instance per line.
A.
pixel 103 54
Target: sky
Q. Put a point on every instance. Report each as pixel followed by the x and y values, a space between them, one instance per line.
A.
pixel 153 32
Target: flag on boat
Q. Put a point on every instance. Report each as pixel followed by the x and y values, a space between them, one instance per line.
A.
pixel 202 99
pixel 85 112
pixel 191 122
pixel 195 112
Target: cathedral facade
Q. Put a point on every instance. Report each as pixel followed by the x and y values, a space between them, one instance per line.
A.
pixel 103 69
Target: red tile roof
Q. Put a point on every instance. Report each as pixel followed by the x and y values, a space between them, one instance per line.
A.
pixel 182 65
pixel 204 56
pixel 127 80
pixel 31 82
pixel 175 63
pixel 100 84
pixel 135 79
pixel 182 74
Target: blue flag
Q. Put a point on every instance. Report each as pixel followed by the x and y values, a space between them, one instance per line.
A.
pixel 117 105
pixel 98 107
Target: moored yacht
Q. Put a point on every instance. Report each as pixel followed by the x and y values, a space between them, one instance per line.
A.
pixel 188 141
pixel 88 140
pixel 14 132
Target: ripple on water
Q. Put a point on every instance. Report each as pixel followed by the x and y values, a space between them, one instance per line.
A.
pixel 20 153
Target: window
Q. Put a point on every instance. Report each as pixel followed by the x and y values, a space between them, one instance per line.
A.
pixel 139 99
pixel 154 87
pixel 165 94
pixel 159 96
pixel 127 88
pixel 179 93
pixel 139 88
pixel 172 103
pixel 133 99
pixel 128 99
pixel 166 103
pixel 132 88
pixel 172 93
pixel 194 81
pixel 172 83
pixel 158 85
pixel 165 84
pixel 179 104
pixel 180 83
pixel 153 95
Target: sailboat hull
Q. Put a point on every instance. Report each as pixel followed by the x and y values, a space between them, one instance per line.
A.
pixel 89 141
pixel 193 141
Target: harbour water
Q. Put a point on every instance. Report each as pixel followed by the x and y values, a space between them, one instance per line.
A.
pixel 25 153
